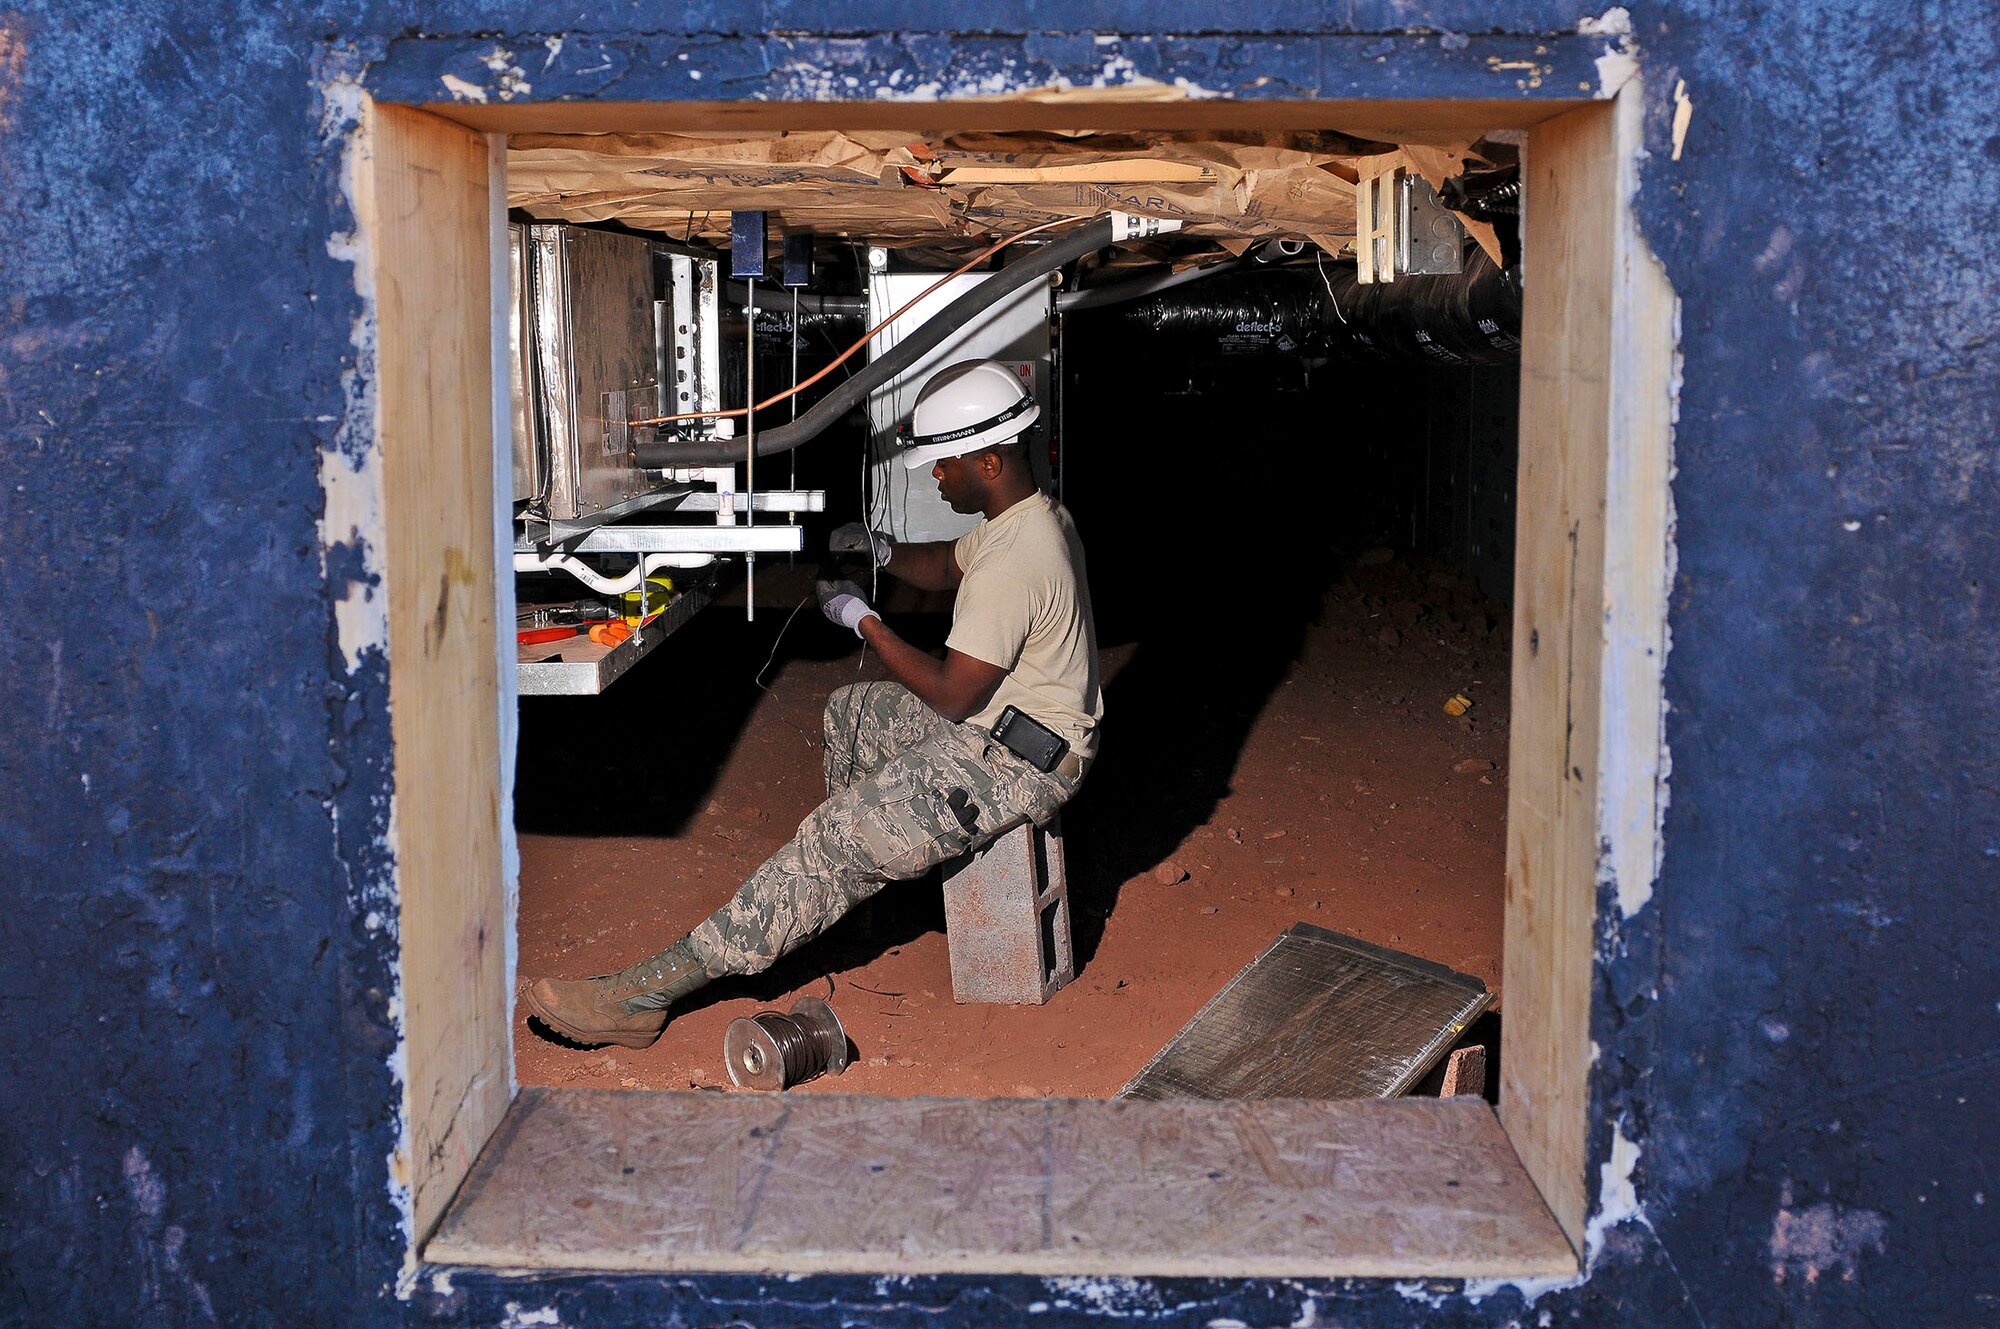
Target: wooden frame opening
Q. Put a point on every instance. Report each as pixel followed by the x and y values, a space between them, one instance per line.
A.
pixel 1404 1188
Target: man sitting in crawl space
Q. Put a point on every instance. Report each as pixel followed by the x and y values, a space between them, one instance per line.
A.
pixel 951 754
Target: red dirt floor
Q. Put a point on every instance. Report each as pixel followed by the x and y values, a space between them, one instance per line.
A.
pixel 1334 789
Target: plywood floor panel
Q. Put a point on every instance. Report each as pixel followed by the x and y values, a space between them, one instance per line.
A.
pixel 603 1180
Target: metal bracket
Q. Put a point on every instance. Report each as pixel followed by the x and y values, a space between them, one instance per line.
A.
pixel 767 500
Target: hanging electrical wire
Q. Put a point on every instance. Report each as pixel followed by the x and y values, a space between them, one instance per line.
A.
pixel 669 452
pixel 866 337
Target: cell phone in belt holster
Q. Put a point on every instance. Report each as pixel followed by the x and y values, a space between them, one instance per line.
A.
pixel 1029 739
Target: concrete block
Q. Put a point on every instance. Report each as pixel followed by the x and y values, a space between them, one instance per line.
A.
pixel 1006 913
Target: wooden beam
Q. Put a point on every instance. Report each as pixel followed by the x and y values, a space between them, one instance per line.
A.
pixel 1089 109
pixel 421 199
pixel 1558 575
pixel 1589 629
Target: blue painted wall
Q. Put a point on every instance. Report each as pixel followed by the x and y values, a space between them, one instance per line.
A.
pixel 192 1020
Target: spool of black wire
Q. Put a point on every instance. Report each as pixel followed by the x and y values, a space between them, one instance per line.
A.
pixel 772 1051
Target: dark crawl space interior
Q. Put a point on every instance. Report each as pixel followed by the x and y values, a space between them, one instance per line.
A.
pixel 1284 421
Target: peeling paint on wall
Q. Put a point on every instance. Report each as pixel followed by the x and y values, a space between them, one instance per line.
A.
pixel 1617 1203
pixel 1632 810
pixel 1683 116
pixel 1619 64
pixel 1614 70
pixel 1824 1239
pixel 350 528
pixel 504 78
pixel 1111 1298
pixel 510 80
pixel 350 473
pixel 462 90
pixel 808 80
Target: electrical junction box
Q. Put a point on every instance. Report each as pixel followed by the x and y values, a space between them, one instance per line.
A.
pixel 1404 229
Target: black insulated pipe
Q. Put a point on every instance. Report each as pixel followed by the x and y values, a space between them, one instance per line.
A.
pixel 810 302
pixel 1033 266
pixel 1322 310
pixel 1138 288
pixel 1468 318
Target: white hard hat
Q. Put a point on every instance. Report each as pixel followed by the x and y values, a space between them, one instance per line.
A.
pixel 965 407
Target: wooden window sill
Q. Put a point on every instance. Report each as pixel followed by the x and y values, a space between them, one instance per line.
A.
pixel 816 1183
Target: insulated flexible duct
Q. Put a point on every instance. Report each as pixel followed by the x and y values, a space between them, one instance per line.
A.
pixel 1118 293
pixel 822 336
pixel 1473 317
pixel 1092 235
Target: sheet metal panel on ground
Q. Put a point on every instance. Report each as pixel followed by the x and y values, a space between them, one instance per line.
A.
pixel 1318 1015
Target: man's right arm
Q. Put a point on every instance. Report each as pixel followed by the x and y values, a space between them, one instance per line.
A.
pixel 929 565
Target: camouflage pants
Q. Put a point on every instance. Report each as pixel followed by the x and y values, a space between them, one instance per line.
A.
pixel 907 790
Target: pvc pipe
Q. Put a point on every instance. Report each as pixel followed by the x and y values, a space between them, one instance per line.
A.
pixel 600 583
pixel 1277 251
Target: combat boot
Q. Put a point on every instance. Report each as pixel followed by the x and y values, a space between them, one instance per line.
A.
pixel 628 1008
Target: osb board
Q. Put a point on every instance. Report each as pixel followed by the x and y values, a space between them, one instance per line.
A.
pixel 604 1180
pixel 423 208
pixel 890 185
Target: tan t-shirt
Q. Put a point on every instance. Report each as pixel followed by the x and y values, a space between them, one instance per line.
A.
pixel 1024 605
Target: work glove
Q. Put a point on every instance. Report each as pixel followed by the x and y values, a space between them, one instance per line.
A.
pixel 844 603
pixel 854 538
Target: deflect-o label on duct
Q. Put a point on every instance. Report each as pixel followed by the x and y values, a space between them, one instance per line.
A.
pixel 1129 226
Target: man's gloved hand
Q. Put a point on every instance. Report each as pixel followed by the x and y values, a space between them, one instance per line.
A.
pixel 844 603
pixel 854 538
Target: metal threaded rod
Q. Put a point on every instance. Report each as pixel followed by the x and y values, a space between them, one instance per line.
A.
pixel 795 382
pixel 750 449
